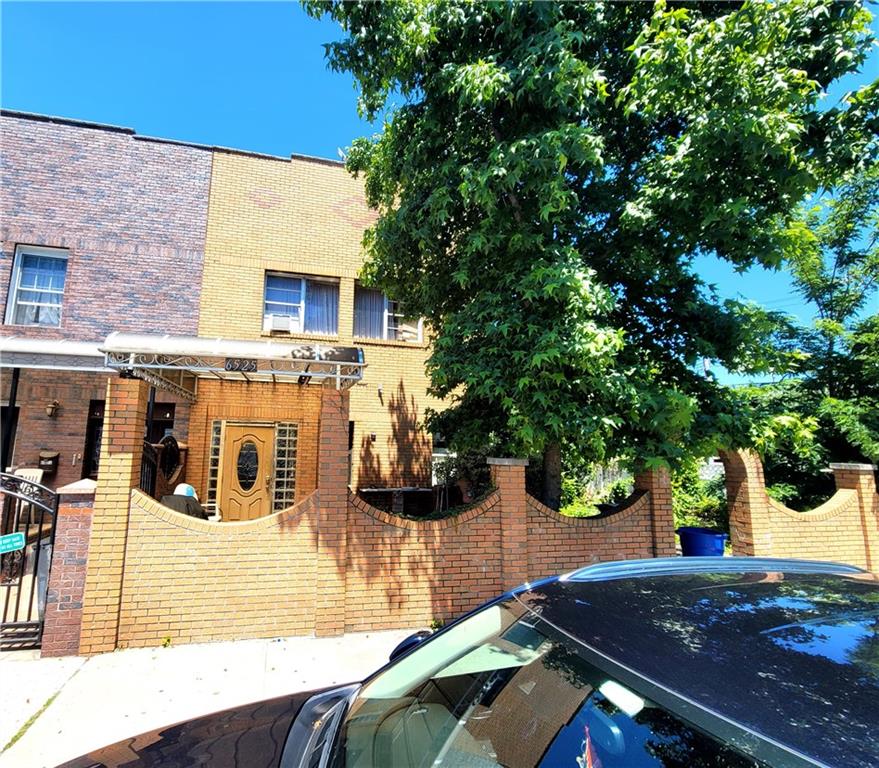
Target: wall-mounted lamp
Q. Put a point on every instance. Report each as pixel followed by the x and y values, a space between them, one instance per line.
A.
pixel 52 409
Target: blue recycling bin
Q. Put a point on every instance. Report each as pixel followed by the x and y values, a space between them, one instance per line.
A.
pixel 701 542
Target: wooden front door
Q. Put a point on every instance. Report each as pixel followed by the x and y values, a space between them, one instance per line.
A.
pixel 247 469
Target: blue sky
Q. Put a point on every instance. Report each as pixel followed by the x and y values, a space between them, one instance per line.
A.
pixel 248 75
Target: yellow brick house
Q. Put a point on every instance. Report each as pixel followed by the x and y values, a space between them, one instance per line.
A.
pixel 283 255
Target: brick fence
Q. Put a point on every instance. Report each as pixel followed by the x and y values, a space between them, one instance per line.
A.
pixel 328 566
pixel 67 577
pixel 333 563
pixel 845 528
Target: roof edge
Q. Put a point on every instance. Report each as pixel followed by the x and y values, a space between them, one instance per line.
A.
pixel 76 123
pixel 39 118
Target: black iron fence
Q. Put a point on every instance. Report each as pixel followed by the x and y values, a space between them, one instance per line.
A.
pixel 149 468
pixel 27 534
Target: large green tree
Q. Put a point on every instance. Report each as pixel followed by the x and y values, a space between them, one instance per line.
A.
pixel 833 255
pixel 546 175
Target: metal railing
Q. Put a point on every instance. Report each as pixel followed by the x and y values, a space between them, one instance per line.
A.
pixel 29 511
pixel 149 468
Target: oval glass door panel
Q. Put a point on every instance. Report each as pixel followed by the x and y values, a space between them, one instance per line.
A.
pixel 248 465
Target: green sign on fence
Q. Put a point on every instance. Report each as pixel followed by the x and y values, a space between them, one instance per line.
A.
pixel 11 542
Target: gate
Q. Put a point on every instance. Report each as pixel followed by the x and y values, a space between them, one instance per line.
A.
pixel 28 510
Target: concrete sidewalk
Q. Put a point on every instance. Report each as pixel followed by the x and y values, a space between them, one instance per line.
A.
pixel 102 699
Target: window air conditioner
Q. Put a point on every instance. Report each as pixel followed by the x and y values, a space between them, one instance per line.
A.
pixel 282 323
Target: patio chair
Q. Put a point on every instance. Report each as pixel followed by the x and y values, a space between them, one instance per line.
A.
pixel 26 509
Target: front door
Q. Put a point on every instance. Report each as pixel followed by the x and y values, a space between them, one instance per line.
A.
pixel 247 468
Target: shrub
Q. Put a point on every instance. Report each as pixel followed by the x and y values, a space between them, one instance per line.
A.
pixel 697 501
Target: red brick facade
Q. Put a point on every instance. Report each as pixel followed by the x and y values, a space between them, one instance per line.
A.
pixel 67 577
pixel 66 431
pixel 132 212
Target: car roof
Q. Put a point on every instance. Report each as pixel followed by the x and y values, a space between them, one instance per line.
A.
pixel 787 649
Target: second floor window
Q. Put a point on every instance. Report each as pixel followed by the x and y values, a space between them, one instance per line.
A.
pixel 37 286
pixel 377 317
pixel 295 304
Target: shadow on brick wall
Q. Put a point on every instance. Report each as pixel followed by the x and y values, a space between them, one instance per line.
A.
pixel 407 448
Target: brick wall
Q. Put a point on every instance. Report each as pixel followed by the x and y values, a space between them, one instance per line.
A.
pixel 404 573
pixel 159 232
pixel 191 581
pixel 132 214
pixel 332 513
pixel 333 563
pixel 65 432
pixel 131 211
pixel 843 529
pixel 256 402
pixel 63 618
pixel 308 217
pixel 121 452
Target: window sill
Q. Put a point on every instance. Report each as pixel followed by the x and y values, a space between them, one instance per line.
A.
pixel 305 338
pixel 369 342
pixel 31 325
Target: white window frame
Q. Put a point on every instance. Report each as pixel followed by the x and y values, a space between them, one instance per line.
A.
pixel 400 316
pixel 12 301
pixel 297 322
pixel 386 325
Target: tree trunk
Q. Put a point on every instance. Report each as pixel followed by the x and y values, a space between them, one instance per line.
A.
pixel 552 475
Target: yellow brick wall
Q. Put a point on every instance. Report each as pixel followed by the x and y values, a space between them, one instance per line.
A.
pixel 193 581
pixel 308 217
pixel 121 451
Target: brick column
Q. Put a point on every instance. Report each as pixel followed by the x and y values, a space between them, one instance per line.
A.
pixel 73 524
pixel 862 478
pixel 508 476
pixel 657 483
pixel 748 503
pixel 121 452
pixel 332 513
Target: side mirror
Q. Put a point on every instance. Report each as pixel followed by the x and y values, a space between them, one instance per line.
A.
pixel 409 643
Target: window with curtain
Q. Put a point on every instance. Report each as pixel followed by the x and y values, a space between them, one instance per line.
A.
pixel 297 304
pixel 37 286
pixel 377 317
pixel 369 313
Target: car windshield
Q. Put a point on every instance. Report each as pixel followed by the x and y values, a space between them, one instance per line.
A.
pixel 503 688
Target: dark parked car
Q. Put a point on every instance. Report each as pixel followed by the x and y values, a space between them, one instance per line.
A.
pixel 685 662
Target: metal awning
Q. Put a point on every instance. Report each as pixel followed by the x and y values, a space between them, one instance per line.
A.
pixel 51 354
pixel 176 363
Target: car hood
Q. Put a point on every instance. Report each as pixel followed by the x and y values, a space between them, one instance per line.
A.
pixel 252 735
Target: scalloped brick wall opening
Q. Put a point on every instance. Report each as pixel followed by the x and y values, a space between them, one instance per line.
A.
pixel 334 564
pixel 843 529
